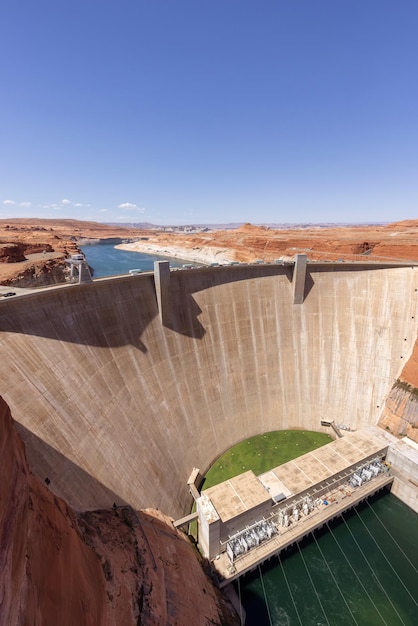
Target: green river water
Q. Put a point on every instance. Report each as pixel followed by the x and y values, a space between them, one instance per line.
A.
pixel 362 570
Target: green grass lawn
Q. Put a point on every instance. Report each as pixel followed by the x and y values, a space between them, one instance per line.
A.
pixel 263 452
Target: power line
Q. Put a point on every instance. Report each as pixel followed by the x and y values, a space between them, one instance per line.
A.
pixel 393 538
pixel 312 583
pixel 371 569
pixel 355 574
pixel 265 596
pixel 240 605
pixel 334 579
pixel 388 562
pixel 290 591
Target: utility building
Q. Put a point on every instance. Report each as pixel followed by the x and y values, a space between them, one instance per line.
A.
pixel 249 518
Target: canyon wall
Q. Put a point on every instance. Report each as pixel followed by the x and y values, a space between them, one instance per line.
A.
pixel 106 567
pixel 47 574
pixel 400 415
pixel 116 408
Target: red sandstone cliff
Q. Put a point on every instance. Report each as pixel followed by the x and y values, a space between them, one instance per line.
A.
pixel 400 415
pixel 47 573
pixel 33 251
pixel 100 568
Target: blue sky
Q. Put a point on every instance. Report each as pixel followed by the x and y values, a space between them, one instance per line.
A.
pixel 209 111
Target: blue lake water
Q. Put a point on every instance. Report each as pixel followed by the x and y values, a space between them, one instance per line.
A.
pixel 106 260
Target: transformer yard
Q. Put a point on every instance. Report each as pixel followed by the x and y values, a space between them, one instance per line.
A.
pixel 249 519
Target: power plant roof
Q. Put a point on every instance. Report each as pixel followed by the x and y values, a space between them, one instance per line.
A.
pixel 247 491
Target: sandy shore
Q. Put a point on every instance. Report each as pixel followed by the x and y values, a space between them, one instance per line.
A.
pixel 205 255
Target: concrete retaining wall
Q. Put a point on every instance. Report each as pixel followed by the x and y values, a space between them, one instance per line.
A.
pixel 116 407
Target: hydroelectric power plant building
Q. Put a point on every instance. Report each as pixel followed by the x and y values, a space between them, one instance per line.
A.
pixel 249 518
pixel 121 386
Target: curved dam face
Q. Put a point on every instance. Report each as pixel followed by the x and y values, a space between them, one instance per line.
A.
pixel 114 406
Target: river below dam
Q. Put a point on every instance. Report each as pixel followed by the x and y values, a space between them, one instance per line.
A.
pixel 362 569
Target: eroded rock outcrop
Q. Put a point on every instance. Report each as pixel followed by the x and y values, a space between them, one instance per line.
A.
pixel 114 567
pixel 11 253
pixel 48 575
pixel 400 415
pixel 39 273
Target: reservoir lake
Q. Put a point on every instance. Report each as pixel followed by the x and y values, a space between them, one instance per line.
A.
pixel 106 260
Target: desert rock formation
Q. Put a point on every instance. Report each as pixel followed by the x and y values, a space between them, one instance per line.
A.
pixel 114 567
pixel 22 242
pixel 400 416
pixel 248 243
pixel 33 251
pixel 47 573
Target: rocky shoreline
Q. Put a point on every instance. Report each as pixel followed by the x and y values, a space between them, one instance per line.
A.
pixel 197 254
pixel 23 261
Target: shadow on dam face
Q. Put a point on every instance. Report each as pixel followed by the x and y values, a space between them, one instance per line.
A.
pixel 111 312
pixel 54 463
pixel 116 407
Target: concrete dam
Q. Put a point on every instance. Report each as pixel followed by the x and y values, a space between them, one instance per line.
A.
pixel 119 392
